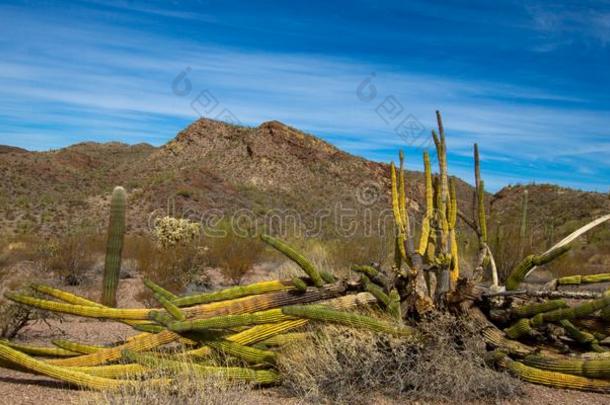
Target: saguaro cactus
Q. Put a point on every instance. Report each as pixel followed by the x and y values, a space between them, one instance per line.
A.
pixel 114 247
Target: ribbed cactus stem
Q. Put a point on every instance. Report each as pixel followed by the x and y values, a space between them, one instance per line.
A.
pixel 61 373
pixel 582 367
pixel 402 195
pixel 577 311
pixel 425 227
pixel 552 378
pixel 520 271
pixel 374 289
pixel 157 289
pixel 296 257
pixel 394 305
pixel 398 220
pixel 299 284
pixel 520 328
pixel 584 279
pixel 114 247
pixel 233 293
pixel 324 313
pixel 171 309
pixel 529 310
pixel 246 353
pixel 76 347
pixel 452 221
pixel 39 350
pixel 230 321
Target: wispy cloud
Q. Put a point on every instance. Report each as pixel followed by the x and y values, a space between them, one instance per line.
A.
pixel 91 80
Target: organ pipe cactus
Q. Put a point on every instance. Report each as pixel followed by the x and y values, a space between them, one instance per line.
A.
pixel 114 247
pixel 233 293
pixel 519 272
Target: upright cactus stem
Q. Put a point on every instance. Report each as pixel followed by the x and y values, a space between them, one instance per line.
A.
pixel 481 209
pixel 425 227
pixel 114 247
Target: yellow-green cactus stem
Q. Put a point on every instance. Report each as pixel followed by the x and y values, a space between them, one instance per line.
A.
pixel 233 293
pixel 518 273
pixel 394 305
pixel 599 368
pixel 425 227
pixel 577 311
pixel 246 353
pixel 324 313
pixel 43 351
pixel 285 338
pixel 143 342
pixel 230 321
pixel 400 225
pixel 76 347
pixel 482 215
pixel 126 371
pixel 374 289
pixel 529 310
pixel 114 247
pixel 171 309
pixel 554 379
pixel 299 284
pixel 327 277
pixel 296 257
pixel 61 373
pixel 402 195
pixel 520 328
pixel 157 289
pixel 588 279
pixel 86 311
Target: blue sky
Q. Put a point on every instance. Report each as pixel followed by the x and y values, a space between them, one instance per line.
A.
pixel 529 81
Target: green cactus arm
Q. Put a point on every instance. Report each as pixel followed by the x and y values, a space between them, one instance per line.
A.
pixel 577 334
pixel 61 373
pixel 425 226
pixel 598 368
pixel 328 277
pixel 369 271
pixel 157 289
pixel 552 378
pixel 114 247
pixel 578 311
pixel 149 328
pixel 63 295
pixel 374 289
pixel 394 305
pixel 39 350
pixel 171 309
pixel 233 373
pixel 520 271
pixel 80 310
pixel 402 195
pixel 233 293
pixel 299 284
pixel 520 328
pixel 400 225
pixel 246 353
pixel 326 314
pixel 296 257
pixel 584 279
pixel 79 348
pixel 529 310
pixel 230 321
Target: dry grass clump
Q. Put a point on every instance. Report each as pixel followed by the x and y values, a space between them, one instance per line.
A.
pixel 71 255
pixel 186 388
pixel 343 365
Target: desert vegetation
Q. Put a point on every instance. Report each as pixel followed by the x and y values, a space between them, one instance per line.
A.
pixel 441 309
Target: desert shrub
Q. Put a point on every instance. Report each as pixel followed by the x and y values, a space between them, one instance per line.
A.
pixel 173 267
pixel 71 255
pixel 343 365
pixel 170 232
pixel 234 254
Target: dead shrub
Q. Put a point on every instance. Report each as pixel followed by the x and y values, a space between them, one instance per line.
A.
pixel 344 365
